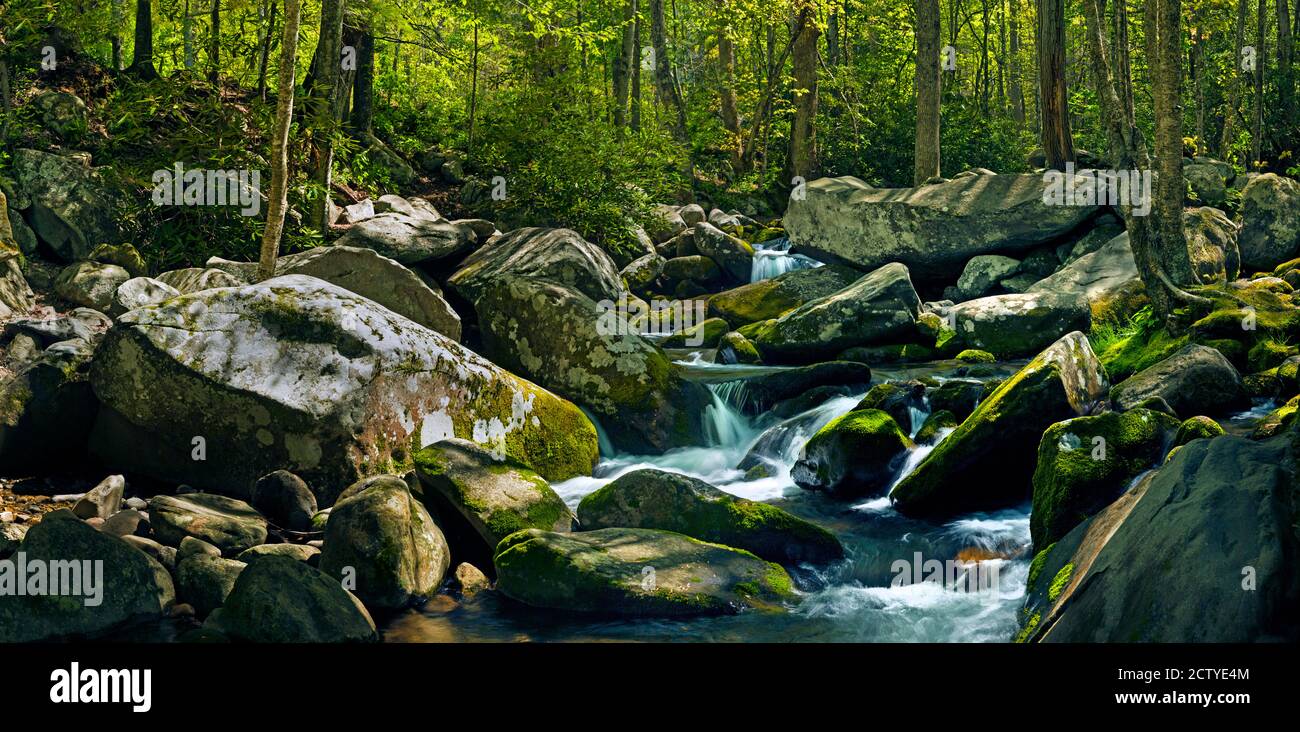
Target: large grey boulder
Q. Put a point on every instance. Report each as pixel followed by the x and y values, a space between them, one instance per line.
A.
pixel 410 240
pixel 139 292
pixel 282 600
pixel 220 387
pixel 1098 275
pixel 1270 215
pixel 984 272
pixel 933 229
pixel 47 408
pixel 90 284
pixel 772 298
pixel 559 256
pixel 1195 380
pixel 734 255
pixel 197 279
pixel 1016 326
pixel 226 523
pixel 879 307
pixel 68 204
pixel 368 274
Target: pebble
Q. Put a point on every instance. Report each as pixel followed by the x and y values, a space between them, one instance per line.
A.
pixel 7 517
pixel 137 503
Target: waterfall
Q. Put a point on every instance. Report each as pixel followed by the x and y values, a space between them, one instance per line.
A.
pixel 724 425
pixel 603 442
pixel 773 258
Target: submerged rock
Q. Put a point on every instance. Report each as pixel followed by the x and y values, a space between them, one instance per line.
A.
pixel 988 461
pixel 653 499
pixel 295 373
pixel 638 572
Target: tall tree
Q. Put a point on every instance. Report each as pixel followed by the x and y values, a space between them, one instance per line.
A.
pixel 802 158
pixel 115 40
pixel 1058 142
pixel 214 42
pixel 142 53
pixel 928 81
pixel 1261 60
pixel 1235 86
pixel 1017 93
pixel 278 198
pixel 727 84
pixel 665 79
pixel 1285 73
pixel 324 95
pixel 266 53
pixel 363 85
pixel 624 62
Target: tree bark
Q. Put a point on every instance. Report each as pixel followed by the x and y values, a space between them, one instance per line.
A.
pixel 623 63
pixel 1286 79
pixel 928 83
pixel 363 85
pixel 214 43
pixel 1234 89
pixel 727 87
pixel 266 54
pixel 802 158
pixel 1261 60
pixel 119 20
pixel 323 98
pixel 278 198
pixel 665 82
pixel 142 54
pixel 1058 143
pixel 635 69
pixel 1017 93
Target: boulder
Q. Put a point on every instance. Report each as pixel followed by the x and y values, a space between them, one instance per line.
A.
pixel 734 255
pixel 495 497
pixel 1224 507
pixel 653 499
pixel 773 298
pixel 102 501
pixel 1016 326
pixel 69 206
pixel 760 393
pixel 416 208
pixel 285 499
pixel 47 409
pixel 410 240
pixel 295 373
pixel 701 335
pixel 635 572
pixel 1098 276
pixel 133 585
pixel 984 272
pixel 642 272
pixel 62 113
pixel 125 256
pixel 1207 182
pixel 368 274
pixel 559 256
pixel 901 400
pixel 1086 462
pixel 16 296
pixel 989 461
pixel 80 324
pixel 734 348
pixel 664 223
pixel 281 600
pixel 856 454
pixel 695 268
pixel 296 552
pixel 692 214
pixel 1194 380
pixel 1270 215
pixel 1212 244
pixel 90 284
pixel 932 229
pixel 197 279
pixel 879 307
pixel 139 292
pixel 383 541
pixel 204 582
pixel 226 523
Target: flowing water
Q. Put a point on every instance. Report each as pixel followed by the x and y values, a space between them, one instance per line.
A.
pixel 859 599
pixel 772 258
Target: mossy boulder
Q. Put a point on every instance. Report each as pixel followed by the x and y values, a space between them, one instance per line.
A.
pixel 1086 462
pixel 134 586
pixel 734 255
pixel 383 539
pixel 1196 428
pixel 653 499
pixel 734 348
pixel 1270 213
pixel 641 273
pixel 90 284
pixel 767 299
pixel 1278 420
pixel 493 495
pixel 226 523
pixel 197 279
pixel 1194 380
pixel 891 353
pixel 880 307
pixel 960 396
pixel 934 424
pixel 297 552
pixel 899 399
pixel 67 202
pixel 1212 245
pixel 281 600
pixel 700 335
pixel 125 256
pixel 204 582
pixel 47 408
pixel 856 454
pixel 636 572
pixel 972 355
pixel 694 268
pixel 1016 326
pixel 1224 507
pixel 559 256
pixel 295 373
pixel 760 393
pixel 989 461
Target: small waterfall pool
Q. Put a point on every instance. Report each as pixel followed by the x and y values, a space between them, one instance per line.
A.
pixel 860 599
pixel 772 258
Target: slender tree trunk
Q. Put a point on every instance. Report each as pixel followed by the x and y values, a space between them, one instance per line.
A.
pixel 1261 60
pixel 6 106
pixel 214 43
pixel 1195 67
pixel 266 54
pixel 802 159
pixel 1235 87
pixel 119 20
pixel 665 82
pixel 928 83
pixel 324 95
pixel 623 64
pixel 727 86
pixel 1017 92
pixel 832 36
pixel 1285 75
pixel 1058 143
pixel 278 198
pixel 363 85
pixel 636 75
pixel 142 54
pixel 1170 188
pixel 473 93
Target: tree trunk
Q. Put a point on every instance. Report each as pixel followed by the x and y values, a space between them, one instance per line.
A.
pixel 363 85
pixel 142 54
pixel 665 83
pixel 727 86
pixel 266 54
pixel 802 159
pixel 278 198
pixel 1017 93
pixel 473 93
pixel 832 36
pixel 1058 143
pixel 635 69
pixel 928 82
pixel 214 43
pixel 1261 60
pixel 1170 187
pixel 119 20
pixel 323 98
pixel 6 106
pixel 1234 89
pixel 1285 77
pixel 623 64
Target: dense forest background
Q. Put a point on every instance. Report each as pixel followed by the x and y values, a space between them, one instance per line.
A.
pixel 590 111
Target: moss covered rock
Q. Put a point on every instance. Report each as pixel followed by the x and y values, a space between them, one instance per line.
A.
pixel 734 255
pixel 204 582
pixel 1195 428
pixel 760 393
pixel 494 495
pixel 47 409
pixel 934 424
pixel 67 202
pixel 281 600
pixel 226 523
pixel 1278 420
pixel 899 399
pixel 734 348
pixel 856 454
pixel 410 240
pixel 1194 380
pixel 90 284
pixel 1270 212
pixel 637 572
pixel 295 373
pixel 700 335
pixel 880 307
pixel 134 586
pixel 653 499
pixel 989 460
pixel 767 299
pixel 1085 462
pixel 384 540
